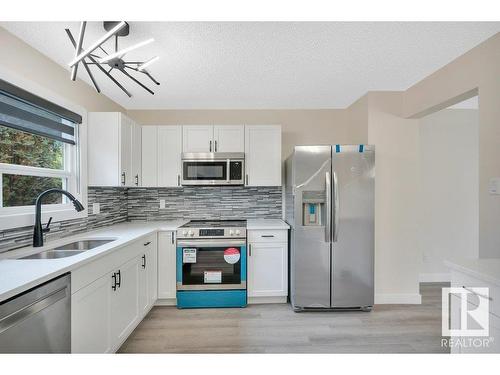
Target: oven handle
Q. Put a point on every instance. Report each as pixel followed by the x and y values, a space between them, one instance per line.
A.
pixel 210 243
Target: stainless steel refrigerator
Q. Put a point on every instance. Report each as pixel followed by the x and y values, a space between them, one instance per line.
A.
pixel 329 204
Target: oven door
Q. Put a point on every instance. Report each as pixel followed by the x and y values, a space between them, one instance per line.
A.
pixel 204 172
pixel 211 264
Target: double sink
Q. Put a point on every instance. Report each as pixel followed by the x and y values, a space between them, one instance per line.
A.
pixel 70 249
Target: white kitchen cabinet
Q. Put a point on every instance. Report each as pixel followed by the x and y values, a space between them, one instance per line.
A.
pixel 197 138
pixel 263 155
pixel 267 264
pixel 124 311
pixel 161 156
pixel 113 150
pixel 149 157
pixel 136 155
pixel 169 156
pixel 148 275
pixel 213 138
pixel 90 317
pixel 229 138
pixel 166 266
pixel 111 295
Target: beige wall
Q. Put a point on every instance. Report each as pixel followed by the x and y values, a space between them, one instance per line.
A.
pixel 476 71
pixel 449 204
pixel 397 253
pixel 20 59
pixel 306 127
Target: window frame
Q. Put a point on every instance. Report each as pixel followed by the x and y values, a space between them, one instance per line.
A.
pixel 75 167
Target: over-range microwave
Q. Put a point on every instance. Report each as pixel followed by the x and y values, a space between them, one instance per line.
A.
pixel 213 168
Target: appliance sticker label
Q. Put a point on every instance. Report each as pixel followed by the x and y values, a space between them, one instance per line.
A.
pixel 212 277
pixel 231 255
pixel 188 255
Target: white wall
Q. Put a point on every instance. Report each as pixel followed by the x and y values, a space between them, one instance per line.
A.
pixel 449 226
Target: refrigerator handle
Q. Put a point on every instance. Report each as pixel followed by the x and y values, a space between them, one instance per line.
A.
pixel 328 212
pixel 335 208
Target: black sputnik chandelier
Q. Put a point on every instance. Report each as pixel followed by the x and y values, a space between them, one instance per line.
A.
pixel 110 60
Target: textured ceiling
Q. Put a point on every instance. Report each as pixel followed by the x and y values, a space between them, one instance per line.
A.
pixel 268 65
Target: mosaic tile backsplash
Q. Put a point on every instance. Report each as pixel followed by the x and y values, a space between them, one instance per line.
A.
pixel 140 204
pixel 113 202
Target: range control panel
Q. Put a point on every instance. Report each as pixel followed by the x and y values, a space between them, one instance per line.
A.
pixel 236 232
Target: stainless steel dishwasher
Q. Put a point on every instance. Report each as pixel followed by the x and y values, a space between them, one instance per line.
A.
pixel 38 320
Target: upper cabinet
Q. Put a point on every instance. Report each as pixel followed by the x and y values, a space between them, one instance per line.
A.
pixel 263 155
pixel 161 156
pixel 229 138
pixel 197 138
pixel 213 138
pixel 114 150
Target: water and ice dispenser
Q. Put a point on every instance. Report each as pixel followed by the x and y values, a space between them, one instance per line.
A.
pixel 313 207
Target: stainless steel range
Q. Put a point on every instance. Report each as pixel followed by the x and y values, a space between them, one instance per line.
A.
pixel 212 264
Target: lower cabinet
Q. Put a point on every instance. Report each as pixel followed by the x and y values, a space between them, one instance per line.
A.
pixel 268 265
pixel 106 311
pixel 124 301
pixel 90 317
pixel 166 267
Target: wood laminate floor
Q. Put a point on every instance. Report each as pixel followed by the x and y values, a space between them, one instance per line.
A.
pixel 277 329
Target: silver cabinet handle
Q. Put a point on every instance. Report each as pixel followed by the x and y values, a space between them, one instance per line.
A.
pixel 147 243
pixel 210 146
pixel 215 146
pixel 246 179
pixel 267 235
pixel 178 180
pixel 172 236
pixel 123 178
pixel 336 208
pixel 136 180
pixel 328 193
pixel 477 294
pixel 249 250
pixel 228 167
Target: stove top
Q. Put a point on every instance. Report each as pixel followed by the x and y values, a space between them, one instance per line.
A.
pixel 215 224
pixel 201 229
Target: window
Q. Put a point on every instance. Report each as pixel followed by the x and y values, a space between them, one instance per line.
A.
pixel 39 149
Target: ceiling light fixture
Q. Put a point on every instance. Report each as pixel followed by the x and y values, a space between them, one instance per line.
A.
pixel 143 66
pixel 112 61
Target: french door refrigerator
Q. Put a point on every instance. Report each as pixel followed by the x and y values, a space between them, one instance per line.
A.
pixel 329 204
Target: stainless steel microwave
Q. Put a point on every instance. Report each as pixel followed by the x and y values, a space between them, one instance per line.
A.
pixel 214 168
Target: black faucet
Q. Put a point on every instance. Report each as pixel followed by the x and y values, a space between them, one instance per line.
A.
pixel 38 231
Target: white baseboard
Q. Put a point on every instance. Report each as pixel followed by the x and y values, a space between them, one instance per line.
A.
pixel 399 299
pixel 166 302
pixel 257 300
pixel 434 277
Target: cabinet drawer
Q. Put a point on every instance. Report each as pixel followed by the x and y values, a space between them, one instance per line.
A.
pixel 268 235
pixel 459 279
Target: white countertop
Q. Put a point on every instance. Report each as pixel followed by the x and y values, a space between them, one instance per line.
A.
pixel 259 224
pixel 19 275
pixel 484 269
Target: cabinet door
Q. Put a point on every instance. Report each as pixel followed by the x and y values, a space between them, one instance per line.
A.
pixel 263 155
pixel 126 178
pixel 166 265
pixel 197 138
pixel 267 269
pixel 136 155
pixel 150 156
pixel 229 138
pixel 90 320
pixel 124 311
pixel 143 285
pixel 169 155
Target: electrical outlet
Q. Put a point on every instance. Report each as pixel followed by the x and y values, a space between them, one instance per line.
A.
pixel 96 208
pixel 162 203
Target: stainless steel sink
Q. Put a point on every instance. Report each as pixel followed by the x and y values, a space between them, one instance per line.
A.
pixel 83 245
pixel 70 249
